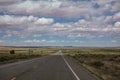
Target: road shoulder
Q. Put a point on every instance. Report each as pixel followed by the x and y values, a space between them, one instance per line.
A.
pixel 82 72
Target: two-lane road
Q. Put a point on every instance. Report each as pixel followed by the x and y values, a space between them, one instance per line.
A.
pixel 53 67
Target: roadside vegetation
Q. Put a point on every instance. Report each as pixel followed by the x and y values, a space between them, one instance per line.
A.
pixel 105 63
pixel 17 54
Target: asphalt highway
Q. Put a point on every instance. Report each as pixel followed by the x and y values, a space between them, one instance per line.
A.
pixel 53 67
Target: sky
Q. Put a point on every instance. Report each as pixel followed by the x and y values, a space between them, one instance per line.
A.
pixel 85 23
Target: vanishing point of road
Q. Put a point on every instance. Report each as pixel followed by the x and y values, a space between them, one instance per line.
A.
pixel 53 67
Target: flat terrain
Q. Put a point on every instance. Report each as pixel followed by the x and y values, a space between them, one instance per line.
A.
pixel 104 62
pixel 21 53
pixel 52 67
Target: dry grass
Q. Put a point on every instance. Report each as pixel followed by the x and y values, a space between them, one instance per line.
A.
pixel 23 53
pixel 105 63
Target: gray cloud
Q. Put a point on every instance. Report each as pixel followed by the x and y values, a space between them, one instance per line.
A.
pixel 30 25
pixel 96 22
pixel 45 8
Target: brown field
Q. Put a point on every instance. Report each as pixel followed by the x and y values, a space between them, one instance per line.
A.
pixel 104 62
pixel 23 53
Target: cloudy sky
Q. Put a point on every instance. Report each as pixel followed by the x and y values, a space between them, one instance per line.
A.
pixel 60 23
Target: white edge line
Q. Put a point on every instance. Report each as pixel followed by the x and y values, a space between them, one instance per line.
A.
pixel 70 68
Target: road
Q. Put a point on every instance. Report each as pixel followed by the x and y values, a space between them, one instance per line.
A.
pixel 53 67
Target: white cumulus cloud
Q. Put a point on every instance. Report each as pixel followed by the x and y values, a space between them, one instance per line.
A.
pixel 117 24
pixel 44 21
